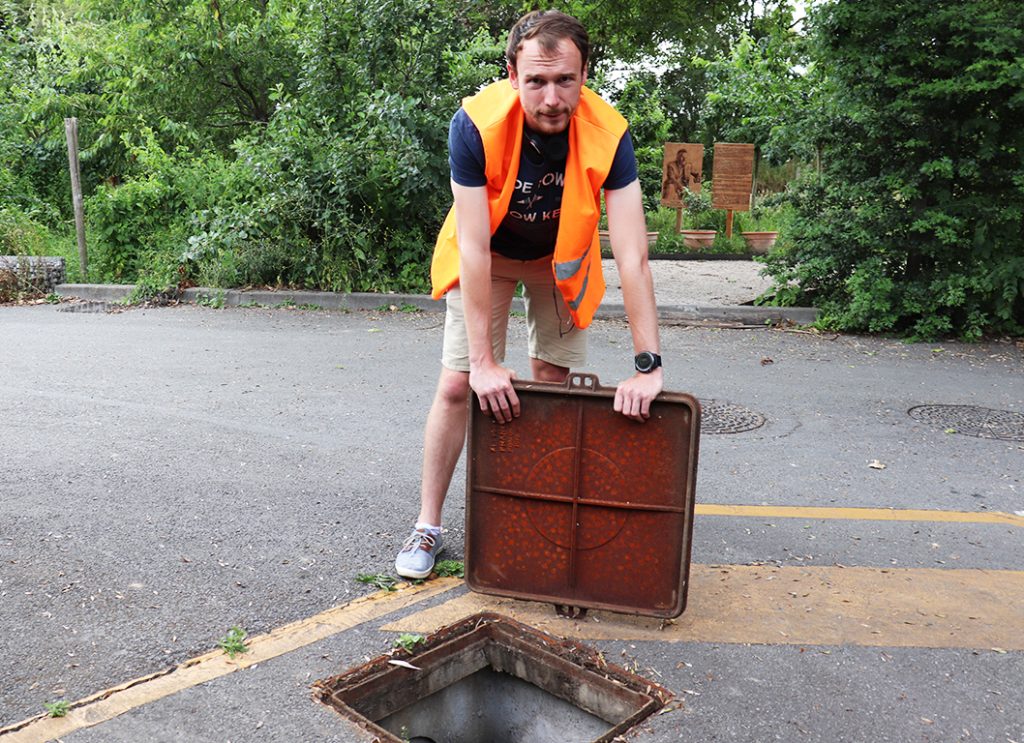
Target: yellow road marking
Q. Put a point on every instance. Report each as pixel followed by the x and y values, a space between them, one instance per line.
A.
pixel 865 514
pixel 928 608
pixel 120 699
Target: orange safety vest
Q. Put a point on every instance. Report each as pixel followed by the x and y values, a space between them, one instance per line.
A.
pixel 594 134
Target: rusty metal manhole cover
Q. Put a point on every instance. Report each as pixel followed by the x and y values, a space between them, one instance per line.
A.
pixel 972 420
pixel 575 505
pixel 721 417
pixel 490 678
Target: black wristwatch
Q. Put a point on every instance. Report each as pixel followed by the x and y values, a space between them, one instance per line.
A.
pixel 646 362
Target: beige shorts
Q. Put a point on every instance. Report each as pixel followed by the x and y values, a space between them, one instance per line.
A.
pixel 554 337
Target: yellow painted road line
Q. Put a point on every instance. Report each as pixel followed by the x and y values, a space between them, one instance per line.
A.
pixel 926 608
pixel 116 701
pixel 865 514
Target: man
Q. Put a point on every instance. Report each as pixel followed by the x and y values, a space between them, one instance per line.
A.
pixel 678 177
pixel 529 158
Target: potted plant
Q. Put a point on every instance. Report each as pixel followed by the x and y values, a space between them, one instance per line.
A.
pixel 759 228
pixel 700 222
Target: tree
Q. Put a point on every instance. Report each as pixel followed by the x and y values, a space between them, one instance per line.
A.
pixel 762 92
pixel 915 225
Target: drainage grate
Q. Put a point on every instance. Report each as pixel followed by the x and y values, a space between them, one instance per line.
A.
pixel 89 306
pixel 972 420
pixel 490 678
pixel 723 417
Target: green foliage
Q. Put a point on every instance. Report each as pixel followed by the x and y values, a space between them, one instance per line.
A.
pixel 640 103
pixel 762 90
pixel 379 581
pixel 213 301
pixel 450 568
pixel 233 643
pixel 698 213
pixel 915 224
pixel 57 709
pixel 244 143
pixel 408 642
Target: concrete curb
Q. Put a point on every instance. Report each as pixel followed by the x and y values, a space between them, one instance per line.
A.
pixel 740 314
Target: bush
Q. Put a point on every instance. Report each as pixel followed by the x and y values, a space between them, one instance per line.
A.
pixel 915 226
pixel 342 188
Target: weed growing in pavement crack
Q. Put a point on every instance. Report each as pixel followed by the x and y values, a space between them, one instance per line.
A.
pixel 233 642
pixel 408 642
pixel 378 580
pixel 57 709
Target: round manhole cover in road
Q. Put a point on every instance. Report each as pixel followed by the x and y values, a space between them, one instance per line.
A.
pixel 722 417
pixel 972 420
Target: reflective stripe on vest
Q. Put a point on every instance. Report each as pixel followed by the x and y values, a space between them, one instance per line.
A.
pixel 594 134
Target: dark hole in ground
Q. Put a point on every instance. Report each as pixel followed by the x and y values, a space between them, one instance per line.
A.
pixel 489 678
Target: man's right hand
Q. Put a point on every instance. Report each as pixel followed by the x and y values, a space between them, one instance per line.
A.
pixel 492 384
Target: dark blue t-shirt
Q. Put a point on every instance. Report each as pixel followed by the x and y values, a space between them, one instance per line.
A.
pixel 530 228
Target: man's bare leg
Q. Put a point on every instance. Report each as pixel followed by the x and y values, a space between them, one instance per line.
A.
pixel 544 371
pixel 443 440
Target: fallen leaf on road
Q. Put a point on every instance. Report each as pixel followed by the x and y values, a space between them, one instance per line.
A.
pixel 765 360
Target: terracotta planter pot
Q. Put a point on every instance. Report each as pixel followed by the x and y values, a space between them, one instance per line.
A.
pixel 760 242
pixel 698 239
pixel 606 242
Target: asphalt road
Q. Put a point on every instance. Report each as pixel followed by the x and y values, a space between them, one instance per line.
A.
pixel 170 473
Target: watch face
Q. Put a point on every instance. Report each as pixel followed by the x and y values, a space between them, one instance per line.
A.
pixel 645 362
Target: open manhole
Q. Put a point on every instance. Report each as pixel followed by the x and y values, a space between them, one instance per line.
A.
pixel 722 417
pixel 972 420
pixel 490 678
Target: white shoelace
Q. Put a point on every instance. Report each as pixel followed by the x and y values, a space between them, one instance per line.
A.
pixel 417 538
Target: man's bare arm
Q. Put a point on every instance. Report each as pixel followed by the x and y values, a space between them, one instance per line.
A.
pixel 491 382
pixel 627 229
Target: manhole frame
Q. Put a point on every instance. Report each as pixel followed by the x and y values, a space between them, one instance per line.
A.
pixel 714 412
pixel 361 694
pixel 959 420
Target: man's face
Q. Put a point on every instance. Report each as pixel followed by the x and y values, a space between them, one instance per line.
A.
pixel 549 85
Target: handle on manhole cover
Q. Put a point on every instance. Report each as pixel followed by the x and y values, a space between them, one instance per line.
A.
pixel 582 381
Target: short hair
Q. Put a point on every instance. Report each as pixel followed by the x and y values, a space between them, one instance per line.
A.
pixel 549 27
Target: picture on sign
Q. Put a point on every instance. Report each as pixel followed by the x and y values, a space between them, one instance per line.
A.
pixel 681 168
pixel 732 176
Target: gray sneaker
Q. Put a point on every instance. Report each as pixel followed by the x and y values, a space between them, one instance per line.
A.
pixel 416 559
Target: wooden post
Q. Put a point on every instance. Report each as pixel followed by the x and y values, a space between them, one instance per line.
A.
pixel 71 132
pixel 679 220
pixel 728 223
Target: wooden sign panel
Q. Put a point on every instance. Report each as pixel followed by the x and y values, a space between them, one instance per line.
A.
pixel 732 176
pixel 680 168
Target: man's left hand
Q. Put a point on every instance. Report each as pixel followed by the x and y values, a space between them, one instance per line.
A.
pixel 633 397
